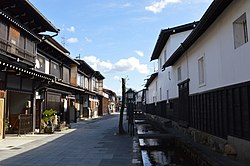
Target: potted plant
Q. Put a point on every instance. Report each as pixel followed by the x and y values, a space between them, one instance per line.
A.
pixel 48 120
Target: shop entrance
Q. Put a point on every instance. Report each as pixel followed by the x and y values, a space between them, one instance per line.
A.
pixel 19 103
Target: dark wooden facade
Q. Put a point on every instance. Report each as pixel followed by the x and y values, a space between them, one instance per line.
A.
pixel 221 112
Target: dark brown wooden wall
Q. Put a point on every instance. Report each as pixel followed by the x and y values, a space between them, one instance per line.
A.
pixel 220 112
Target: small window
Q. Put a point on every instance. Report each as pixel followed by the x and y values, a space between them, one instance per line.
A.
pixel 55 69
pixel 22 42
pixel 160 64
pixel 179 74
pixel 79 80
pixel 3 31
pixel 66 75
pixel 156 86
pixel 165 56
pixel 240 31
pixel 40 63
pixel 30 46
pixel 201 71
pixel 160 94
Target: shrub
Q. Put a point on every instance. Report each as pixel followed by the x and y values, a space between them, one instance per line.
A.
pixel 48 116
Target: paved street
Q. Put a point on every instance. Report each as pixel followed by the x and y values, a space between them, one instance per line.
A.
pixel 89 143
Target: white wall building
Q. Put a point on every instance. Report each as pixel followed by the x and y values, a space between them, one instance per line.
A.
pixel 161 86
pixel 215 78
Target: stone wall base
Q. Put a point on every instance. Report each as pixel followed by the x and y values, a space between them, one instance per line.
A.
pixel 236 148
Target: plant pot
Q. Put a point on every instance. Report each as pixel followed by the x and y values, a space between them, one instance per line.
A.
pixel 49 129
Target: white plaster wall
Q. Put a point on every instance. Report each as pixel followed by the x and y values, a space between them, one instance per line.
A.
pixel 151 92
pixel 175 40
pixel 224 65
pixel 166 82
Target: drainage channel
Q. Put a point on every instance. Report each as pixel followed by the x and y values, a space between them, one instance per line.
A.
pixel 157 147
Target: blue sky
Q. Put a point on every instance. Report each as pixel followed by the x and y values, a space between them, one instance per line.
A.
pixel 117 37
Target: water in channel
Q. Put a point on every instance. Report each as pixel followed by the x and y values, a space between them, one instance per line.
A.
pixel 157 148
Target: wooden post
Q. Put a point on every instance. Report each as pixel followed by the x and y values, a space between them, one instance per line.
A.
pixel 121 129
pixel 2 122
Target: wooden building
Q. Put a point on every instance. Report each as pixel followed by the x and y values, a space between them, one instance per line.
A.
pixel 37 73
pixel 92 82
pixel 20 25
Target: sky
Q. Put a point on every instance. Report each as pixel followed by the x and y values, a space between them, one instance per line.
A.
pixel 117 37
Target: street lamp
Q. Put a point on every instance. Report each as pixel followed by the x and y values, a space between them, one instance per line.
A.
pixel 130 110
pixel 130 95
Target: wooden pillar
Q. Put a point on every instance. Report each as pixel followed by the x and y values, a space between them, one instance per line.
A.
pixel 34 113
pixel 2 119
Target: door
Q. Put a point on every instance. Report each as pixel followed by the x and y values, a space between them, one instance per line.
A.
pixel 183 103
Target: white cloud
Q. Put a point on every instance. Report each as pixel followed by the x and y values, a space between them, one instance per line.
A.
pixel 117 78
pixel 123 65
pixel 157 7
pixel 119 5
pixel 72 40
pixel 126 5
pixel 138 52
pixel 88 40
pixel 71 29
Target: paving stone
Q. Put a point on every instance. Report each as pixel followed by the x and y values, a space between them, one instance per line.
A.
pixel 86 143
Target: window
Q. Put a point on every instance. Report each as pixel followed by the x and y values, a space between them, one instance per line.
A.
pixel 179 73
pixel 22 42
pixel 160 64
pixel 54 68
pixel 40 63
pixel 96 85
pixel 160 94
pixel 30 46
pixel 65 75
pixel 3 36
pixel 86 83
pixel 240 31
pixel 156 86
pixel 79 80
pixel 3 31
pixel 201 71
pixel 167 96
pixel 165 56
pixel 169 75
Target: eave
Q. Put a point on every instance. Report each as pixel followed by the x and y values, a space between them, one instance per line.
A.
pixel 212 13
pixel 28 15
pixel 151 79
pixel 165 34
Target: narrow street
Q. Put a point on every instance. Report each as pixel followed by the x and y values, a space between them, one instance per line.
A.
pixel 89 143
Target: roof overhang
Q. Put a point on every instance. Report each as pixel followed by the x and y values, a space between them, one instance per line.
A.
pixel 165 34
pixel 28 15
pixel 151 79
pixel 212 13
pixel 50 45
pixel 85 68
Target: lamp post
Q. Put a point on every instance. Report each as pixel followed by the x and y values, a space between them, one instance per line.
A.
pixel 130 109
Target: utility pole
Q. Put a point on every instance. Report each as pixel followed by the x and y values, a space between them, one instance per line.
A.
pixel 121 129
